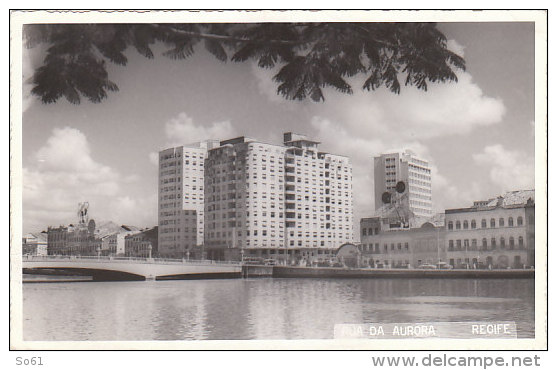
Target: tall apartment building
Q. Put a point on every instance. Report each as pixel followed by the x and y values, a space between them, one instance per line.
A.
pixel 181 195
pixel 318 188
pixel 270 200
pixel 405 166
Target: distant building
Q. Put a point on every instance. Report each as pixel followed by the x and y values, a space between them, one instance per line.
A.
pixel 86 238
pixel 499 233
pixel 266 200
pixel 383 246
pixel 35 244
pixel 76 240
pixel 391 168
pixel 142 244
pixel 57 240
pixel 181 196
pixel 114 242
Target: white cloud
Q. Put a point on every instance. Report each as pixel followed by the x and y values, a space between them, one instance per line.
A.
pixel 510 169
pixel 446 194
pixel 265 83
pixel 445 109
pixel 66 174
pixel 154 158
pixel 182 130
pixel 337 138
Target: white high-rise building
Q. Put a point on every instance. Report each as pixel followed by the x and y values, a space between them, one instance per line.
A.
pixel 272 200
pixel 405 166
pixel 181 198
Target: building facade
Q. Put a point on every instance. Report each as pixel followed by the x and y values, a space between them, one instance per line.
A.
pixel 495 234
pixel 74 240
pixel 498 233
pixel 114 243
pixel 142 244
pixel 405 166
pixel 274 201
pixel 181 198
pixel 244 204
pixel 384 247
pixel 35 244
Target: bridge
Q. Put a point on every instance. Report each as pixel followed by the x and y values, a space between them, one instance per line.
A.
pixel 105 268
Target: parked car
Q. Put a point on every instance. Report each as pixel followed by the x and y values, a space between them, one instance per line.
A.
pixel 427 266
pixel 444 266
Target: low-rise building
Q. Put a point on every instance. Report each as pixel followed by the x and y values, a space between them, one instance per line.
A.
pixel 114 238
pixel 385 246
pixel 35 244
pixel 142 244
pixel 75 240
pixel 498 233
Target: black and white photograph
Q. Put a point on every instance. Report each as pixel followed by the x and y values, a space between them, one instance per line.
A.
pixel 311 179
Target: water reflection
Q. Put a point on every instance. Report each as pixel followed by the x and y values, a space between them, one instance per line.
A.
pixel 262 308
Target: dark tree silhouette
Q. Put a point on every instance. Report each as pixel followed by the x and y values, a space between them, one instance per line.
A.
pixel 311 56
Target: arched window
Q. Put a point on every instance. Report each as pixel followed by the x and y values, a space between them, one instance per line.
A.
pixel 502 243
pixel 519 221
pixel 450 225
pixel 465 224
pixel 458 225
pixel 451 245
pixel 484 223
pixel 474 244
pixel 473 224
pixel 484 244
pixel 492 222
pixel 511 243
pixel 493 243
pixel 501 222
pixel 511 222
pixel 520 242
pixel 458 244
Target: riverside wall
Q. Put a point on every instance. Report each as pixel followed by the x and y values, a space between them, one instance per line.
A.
pixel 332 272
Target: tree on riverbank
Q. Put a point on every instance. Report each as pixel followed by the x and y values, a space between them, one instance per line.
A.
pixel 310 56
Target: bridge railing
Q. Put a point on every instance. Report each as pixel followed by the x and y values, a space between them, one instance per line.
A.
pixel 120 259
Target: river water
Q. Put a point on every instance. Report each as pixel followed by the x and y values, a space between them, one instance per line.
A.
pixel 263 308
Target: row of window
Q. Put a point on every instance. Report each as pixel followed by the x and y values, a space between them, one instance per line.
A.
pixel 464 225
pixel 464 244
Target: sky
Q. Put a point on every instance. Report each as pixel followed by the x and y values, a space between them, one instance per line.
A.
pixel 477 134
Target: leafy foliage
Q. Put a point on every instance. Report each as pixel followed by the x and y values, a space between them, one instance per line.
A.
pixel 311 56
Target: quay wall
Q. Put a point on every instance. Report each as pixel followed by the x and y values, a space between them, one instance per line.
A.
pixel 331 272
pixel 251 271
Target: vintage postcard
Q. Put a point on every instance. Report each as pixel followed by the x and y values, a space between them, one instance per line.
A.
pixel 278 180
